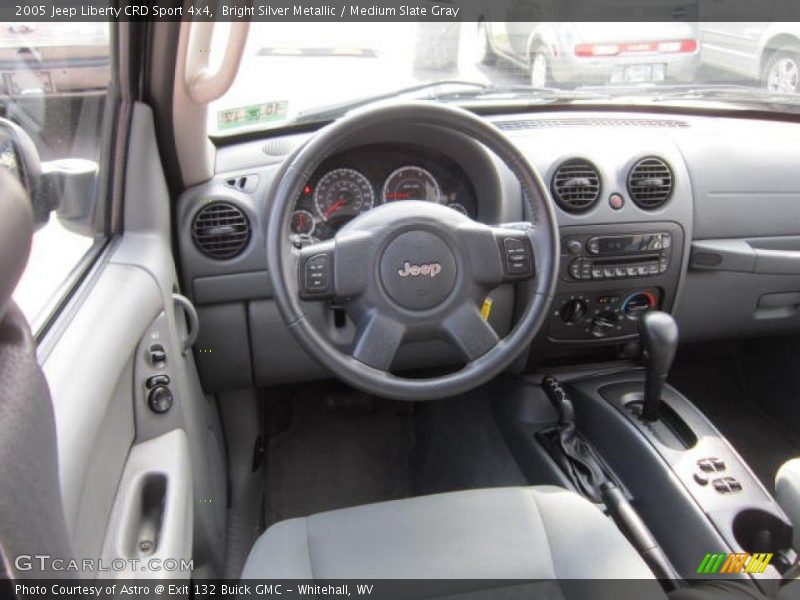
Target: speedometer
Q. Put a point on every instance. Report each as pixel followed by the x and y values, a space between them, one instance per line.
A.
pixel 411 183
pixel 342 194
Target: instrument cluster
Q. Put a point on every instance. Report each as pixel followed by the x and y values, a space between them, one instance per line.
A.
pixel 358 180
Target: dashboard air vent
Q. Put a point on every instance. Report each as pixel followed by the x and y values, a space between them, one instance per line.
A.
pixel 220 230
pixel 576 185
pixel 650 183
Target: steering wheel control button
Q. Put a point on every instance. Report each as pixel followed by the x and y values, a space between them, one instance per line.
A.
pixel 518 257
pixel 616 201
pixel 160 399
pixel 418 270
pixel 317 275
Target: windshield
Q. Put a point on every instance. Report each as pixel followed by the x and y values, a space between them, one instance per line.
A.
pixel 305 72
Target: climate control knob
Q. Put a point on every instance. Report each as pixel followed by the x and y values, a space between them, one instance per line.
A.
pixel 635 305
pixel 604 323
pixel 573 311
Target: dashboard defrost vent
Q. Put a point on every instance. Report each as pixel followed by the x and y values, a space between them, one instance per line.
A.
pixel 522 124
pixel 220 230
pixel 650 183
pixel 576 185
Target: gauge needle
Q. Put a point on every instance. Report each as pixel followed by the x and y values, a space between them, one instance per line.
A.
pixel 334 207
pixel 397 196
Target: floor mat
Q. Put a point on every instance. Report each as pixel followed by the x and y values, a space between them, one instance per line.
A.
pixel 712 384
pixel 326 460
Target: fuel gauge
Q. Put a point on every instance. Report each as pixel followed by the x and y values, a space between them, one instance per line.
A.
pixel 302 222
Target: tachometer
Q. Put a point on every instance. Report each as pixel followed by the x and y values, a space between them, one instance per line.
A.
pixel 342 194
pixel 411 183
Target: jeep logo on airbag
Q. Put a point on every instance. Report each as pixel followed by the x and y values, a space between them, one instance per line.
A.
pixel 425 270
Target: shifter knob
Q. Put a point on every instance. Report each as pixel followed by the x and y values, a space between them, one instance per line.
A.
pixel 659 334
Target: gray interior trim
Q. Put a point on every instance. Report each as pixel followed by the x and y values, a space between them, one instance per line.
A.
pixel 103 333
pixel 154 505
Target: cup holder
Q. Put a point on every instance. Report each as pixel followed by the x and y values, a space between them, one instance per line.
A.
pixel 757 530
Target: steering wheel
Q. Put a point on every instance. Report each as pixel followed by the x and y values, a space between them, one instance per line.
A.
pixel 413 270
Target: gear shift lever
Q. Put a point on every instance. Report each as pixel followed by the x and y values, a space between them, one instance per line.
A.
pixel 659 335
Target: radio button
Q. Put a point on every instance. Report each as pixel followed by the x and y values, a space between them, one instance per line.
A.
pixel 619 271
pixel 641 270
pixel 652 269
pixel 597 273
pixel 593 245
pixel 574 246
pixel 666 241
pixel 630 271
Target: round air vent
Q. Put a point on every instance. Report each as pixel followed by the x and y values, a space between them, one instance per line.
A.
pixel 220 230
pixel 650 183
pixel 576 185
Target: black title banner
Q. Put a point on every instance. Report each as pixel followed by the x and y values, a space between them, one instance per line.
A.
pixel 333 589
pixel 391 10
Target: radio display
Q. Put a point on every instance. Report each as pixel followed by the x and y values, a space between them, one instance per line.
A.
pixel 617 245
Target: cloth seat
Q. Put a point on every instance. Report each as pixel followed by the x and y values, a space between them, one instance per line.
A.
pixel 532 533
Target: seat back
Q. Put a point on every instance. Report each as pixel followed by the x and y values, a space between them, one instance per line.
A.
pixel 33 520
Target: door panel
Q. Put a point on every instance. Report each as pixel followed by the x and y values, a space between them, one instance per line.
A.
pixel 89 372
pixel 115 453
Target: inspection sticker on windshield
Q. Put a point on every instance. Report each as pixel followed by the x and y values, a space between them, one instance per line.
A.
pixel 252 115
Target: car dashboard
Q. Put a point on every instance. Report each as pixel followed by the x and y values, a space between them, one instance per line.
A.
pixel 695 215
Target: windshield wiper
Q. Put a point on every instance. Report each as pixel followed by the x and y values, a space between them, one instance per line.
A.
pixel 333 111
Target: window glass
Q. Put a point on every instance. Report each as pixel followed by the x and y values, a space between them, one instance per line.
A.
pixel 302 72
pixel 54 84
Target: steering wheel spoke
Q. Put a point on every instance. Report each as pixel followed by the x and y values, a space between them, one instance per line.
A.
pixel 335 268
pixel 378 341
pixel 501 253
pixel 315 264
pixel 468 331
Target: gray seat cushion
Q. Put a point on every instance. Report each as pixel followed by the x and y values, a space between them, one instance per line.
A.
pixel 543 533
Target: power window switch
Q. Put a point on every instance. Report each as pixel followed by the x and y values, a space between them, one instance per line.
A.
pixel 156 354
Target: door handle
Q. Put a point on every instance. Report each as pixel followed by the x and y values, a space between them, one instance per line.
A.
pixel 193 322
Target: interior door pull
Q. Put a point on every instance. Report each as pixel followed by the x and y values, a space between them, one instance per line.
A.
pixel 193 324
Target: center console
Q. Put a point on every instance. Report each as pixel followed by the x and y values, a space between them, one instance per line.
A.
pixel 693 489
pixel 610 275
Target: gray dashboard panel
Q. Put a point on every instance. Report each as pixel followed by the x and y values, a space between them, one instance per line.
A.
pixel 736 182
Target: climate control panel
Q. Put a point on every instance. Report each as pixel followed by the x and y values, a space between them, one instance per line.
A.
pixel 599 315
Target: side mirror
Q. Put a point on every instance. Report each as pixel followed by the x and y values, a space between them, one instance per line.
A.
pixel 67 186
